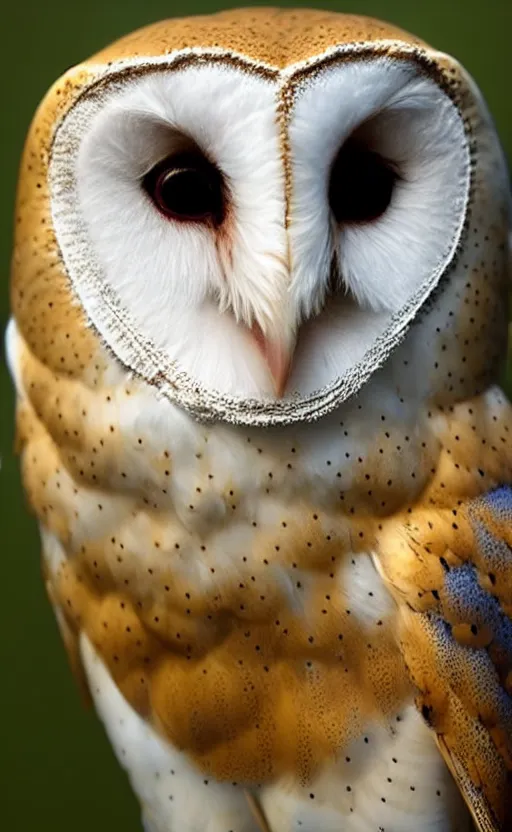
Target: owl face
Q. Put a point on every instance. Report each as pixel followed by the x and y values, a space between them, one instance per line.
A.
pixel 254 225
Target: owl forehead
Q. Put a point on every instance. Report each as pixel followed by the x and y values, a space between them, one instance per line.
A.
pixel 274 37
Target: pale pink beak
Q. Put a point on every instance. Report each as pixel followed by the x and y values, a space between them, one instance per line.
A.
pixel 278 356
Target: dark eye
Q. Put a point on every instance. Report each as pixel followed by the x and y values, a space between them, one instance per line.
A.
pixel 187 187
pixel 361 184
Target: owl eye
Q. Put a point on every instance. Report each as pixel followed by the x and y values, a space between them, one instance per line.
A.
pixel 361 184
pixel 186 187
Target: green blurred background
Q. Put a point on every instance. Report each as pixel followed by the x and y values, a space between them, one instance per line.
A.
pixel 57 771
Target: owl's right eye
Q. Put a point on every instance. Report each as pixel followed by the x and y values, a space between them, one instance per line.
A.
pixel 187 187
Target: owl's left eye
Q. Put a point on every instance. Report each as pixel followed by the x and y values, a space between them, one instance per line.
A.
pixel 361 185
pixel 186 187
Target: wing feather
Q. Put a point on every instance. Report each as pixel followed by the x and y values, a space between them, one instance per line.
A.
pixel 452 573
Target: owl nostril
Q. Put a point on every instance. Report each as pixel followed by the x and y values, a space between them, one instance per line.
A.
pixel 361 184
pixel 187 187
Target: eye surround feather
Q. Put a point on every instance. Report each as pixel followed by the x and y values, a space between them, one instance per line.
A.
pixel 186 187
pixel 361 184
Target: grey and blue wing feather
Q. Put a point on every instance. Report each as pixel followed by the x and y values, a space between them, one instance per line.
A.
pixel 472 636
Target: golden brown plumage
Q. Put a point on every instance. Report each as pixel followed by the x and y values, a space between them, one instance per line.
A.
pixel 271 599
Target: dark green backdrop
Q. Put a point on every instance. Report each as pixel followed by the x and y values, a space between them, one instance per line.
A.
pixel 57 771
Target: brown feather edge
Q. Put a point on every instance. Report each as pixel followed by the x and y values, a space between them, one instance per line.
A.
pixel 480 809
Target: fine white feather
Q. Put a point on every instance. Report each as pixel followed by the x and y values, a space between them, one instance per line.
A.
pixel 409 121
pixel 192 291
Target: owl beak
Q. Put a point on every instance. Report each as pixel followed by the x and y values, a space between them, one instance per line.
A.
pixel 278 355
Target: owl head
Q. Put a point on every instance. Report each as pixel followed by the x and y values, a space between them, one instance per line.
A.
pixel 252 211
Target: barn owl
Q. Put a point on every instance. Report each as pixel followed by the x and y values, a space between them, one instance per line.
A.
pixel 258 322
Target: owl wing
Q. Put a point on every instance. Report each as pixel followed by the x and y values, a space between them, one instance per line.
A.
pixel 451 570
